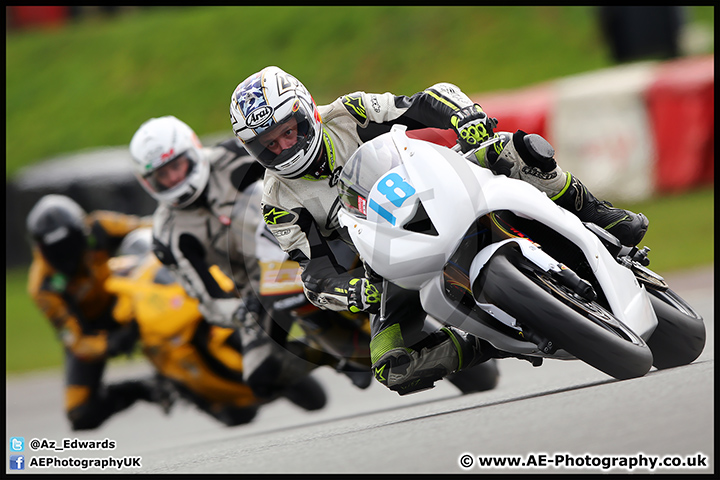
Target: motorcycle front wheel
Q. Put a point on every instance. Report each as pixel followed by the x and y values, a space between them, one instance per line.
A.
pixel 581 327
pixel 679 337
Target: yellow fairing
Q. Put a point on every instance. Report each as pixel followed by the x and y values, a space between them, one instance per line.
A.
pixel 168 321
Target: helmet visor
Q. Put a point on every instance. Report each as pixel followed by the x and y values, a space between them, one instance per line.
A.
pixel 174 172
pixel 64 254
pixel 282 146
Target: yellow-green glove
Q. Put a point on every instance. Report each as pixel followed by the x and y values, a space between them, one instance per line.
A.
pixel 364 296
pixel 472 126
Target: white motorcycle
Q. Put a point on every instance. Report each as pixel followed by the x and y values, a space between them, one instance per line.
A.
pixel 497 258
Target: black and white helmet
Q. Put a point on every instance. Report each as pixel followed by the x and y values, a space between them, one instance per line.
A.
pixel 56 224
pixel 266 103
pixel 161 145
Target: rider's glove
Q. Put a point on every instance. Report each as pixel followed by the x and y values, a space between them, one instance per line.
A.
pixel 364 296
pixel 472 126
pixel 223 312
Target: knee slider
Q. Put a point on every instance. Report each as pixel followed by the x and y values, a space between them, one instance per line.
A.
pixel 535 150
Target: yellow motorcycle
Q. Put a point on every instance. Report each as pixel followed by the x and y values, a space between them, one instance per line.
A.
pixel 199 361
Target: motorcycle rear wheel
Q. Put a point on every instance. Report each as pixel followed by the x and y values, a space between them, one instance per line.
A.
pixel 679 337
pixel 582 328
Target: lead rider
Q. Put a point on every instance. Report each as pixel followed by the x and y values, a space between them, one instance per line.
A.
pixel 303 149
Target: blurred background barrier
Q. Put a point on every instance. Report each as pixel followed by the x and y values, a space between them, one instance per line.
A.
pixel 600 128
pixel 681 105
pixel 24 17
pixel 630 131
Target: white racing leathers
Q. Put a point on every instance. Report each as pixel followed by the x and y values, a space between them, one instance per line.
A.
pixel 219 229
pixel 191 240
pixel 302 213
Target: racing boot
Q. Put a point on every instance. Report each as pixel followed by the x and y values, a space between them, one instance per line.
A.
pixel 627 226
pixel 310 351
pixel 309 358
pixel 307 394
pixel 361 377
pixel 479 378
pixel 162 392
pixel 107 401
pixel 268 368
pixel 263 361
pixel 529 157
pixel 526 157
pixel 409 370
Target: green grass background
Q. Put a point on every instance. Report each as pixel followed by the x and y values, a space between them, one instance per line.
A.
pixel 93 82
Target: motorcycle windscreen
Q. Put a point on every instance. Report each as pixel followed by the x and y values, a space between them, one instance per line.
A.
pixel 363 169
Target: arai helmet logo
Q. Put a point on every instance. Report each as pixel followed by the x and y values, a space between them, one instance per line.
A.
pixel 259 116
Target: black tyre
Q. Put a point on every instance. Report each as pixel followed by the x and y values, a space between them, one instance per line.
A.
pixel 479 378
pixel 679 337
pixel 581 327
pixel 307 394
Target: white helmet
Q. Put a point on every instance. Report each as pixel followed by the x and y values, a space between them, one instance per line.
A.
pixel 162 145
pixel 271 98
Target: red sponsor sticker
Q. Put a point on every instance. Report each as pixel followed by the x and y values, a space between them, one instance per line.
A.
pixel 362 205
pixel 167 155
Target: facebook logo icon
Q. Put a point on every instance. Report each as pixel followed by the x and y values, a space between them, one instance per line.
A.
pixel 17 462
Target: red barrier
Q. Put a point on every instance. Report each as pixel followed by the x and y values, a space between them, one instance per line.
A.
pixel 446 138
pixel 49 15
pixel 681 110
pixel 525 109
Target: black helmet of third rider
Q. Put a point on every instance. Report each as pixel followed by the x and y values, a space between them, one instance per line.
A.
pixel 268 105
pixel 57 226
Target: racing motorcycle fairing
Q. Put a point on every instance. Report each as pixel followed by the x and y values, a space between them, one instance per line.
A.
pixel 447 193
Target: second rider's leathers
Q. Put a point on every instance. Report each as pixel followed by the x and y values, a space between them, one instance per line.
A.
pixel 191 240
pixel 219 230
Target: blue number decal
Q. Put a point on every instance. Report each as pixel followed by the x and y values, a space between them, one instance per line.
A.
pixel 396 190
pixel 390 184
pixel 382 212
